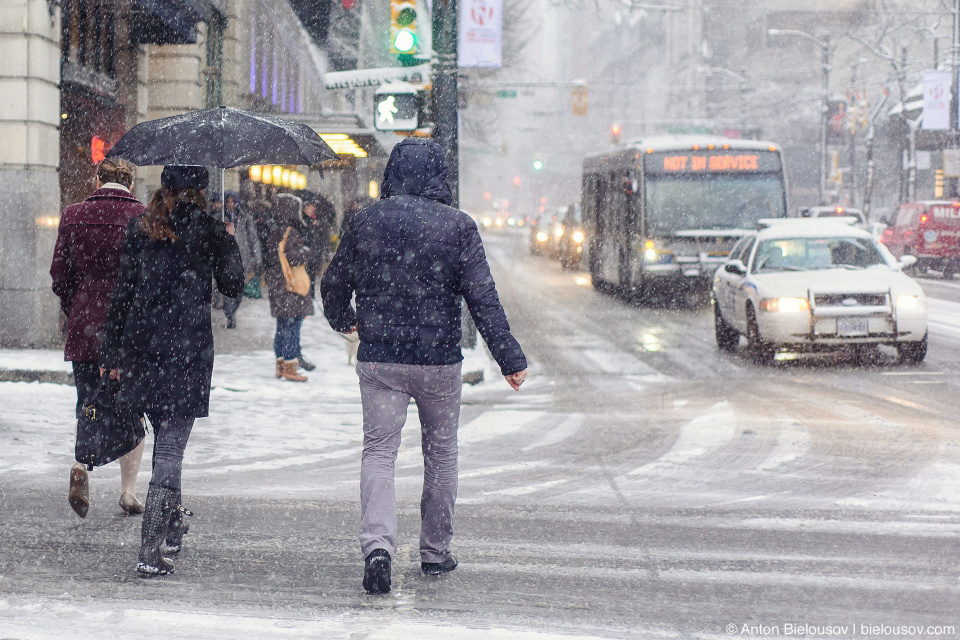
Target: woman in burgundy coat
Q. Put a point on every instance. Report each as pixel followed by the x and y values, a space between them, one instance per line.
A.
pixel 86 261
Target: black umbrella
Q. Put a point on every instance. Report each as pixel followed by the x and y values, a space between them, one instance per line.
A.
pixel 222 137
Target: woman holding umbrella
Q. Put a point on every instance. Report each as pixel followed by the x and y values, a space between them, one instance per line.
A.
pixel 159 340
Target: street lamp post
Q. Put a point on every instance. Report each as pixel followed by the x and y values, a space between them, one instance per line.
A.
pixel 825 108
pixel 739 77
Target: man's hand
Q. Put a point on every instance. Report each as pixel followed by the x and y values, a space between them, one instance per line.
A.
pixel 231 229
pixel 516 379
pixel 114 373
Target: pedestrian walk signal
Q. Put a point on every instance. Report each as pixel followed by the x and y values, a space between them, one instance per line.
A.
pixel 396 107
pixel 403 27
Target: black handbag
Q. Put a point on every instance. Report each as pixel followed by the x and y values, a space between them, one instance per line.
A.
pixel 108 428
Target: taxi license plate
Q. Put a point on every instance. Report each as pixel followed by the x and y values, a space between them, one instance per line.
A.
pixel 849 327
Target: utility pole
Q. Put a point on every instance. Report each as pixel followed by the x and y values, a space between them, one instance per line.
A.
pixel 954 101
pixel 445 114
pixel 824 111
pixel 825 107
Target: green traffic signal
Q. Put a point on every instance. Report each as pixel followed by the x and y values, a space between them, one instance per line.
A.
pixel 537 165
pixel 405 41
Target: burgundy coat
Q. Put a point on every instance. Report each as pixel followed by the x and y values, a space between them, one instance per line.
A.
pixel 85 265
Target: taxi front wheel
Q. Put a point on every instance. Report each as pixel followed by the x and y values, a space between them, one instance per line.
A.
pixel 912 352
pixel 727 336
pixel 761 352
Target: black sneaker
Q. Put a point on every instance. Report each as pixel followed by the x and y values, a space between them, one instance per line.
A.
pixel 305 364
pixel 376 572
pixel 436 568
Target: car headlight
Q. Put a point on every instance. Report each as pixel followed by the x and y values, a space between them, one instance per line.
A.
pixel 650 255
pixel 908 302
pixel 487 222
pixel 559 231
pixel 578 236
pixel 784 305
pixel 541 236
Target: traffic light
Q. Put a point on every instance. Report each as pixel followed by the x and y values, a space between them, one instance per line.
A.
pixel 615 132
pixel 580 98
pixel 403 27
pixel 537 164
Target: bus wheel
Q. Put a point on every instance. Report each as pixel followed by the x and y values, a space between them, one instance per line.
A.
pixel 761 352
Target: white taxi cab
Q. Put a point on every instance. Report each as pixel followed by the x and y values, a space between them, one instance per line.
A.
pixel 815 284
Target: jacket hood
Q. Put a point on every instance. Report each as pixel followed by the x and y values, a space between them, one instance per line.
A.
pixel 417 167
pixel 288 210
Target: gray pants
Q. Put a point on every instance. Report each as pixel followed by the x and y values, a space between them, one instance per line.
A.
pixel 386 390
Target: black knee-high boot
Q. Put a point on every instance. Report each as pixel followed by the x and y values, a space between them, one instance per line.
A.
pixel 156 519
pixel 178 526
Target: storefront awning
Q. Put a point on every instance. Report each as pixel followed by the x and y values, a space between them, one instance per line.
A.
pixel 347 133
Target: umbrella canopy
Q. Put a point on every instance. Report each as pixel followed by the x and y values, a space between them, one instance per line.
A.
pixel 222 137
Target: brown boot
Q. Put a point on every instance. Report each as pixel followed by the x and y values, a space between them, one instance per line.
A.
pixel 79 494
pixel 279 367
pixel 290 371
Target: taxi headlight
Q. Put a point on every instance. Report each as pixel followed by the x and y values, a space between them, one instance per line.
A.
pixel 578 236
pixel 908 302
pixel 542 236
pixel 784 305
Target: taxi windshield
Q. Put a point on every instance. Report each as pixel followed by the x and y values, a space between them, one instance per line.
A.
pixel 804 254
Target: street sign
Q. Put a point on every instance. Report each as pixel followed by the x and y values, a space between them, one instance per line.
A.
pixel 375 77
pixel 507 93
pixel 936 100
pixel 396 107
pixel 481 33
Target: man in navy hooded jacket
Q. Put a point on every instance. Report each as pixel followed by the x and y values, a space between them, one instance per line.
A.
pixel 410 258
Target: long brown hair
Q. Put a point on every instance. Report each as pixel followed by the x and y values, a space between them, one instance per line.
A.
pixel 156 222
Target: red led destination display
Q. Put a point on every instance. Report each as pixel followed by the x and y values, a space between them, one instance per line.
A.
pixel 708 162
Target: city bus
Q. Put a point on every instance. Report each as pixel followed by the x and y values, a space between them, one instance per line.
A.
pixel 662 213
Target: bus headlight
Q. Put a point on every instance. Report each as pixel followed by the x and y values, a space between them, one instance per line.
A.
pixel 541 236
pixel 784 305
pixel 578 236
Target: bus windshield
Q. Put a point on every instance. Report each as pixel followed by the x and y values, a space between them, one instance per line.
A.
pixel 678 203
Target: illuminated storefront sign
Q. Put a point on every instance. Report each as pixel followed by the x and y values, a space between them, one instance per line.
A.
pixel 724 162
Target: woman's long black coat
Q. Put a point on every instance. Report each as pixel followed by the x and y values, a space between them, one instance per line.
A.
pixel 158 329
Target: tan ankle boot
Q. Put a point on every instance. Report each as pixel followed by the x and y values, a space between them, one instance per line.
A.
pixel 279 367
pixel 290 371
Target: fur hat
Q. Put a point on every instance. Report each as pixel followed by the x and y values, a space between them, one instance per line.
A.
pixel 184 177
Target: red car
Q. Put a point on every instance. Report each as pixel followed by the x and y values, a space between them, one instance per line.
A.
pixel 928 230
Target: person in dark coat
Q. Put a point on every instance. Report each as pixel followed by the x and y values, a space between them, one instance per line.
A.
pixel 85 264
pixel 249 243
pixel 318 217
pixel 158 339
pixel 409 258
pixel 287 307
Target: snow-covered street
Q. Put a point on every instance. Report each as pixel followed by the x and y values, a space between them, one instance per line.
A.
pixel 642 484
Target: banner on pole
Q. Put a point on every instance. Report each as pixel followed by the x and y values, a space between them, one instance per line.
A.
pixel 481 33
pixel 936 100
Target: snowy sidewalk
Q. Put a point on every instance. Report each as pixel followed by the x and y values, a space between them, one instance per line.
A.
pixel 257 423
